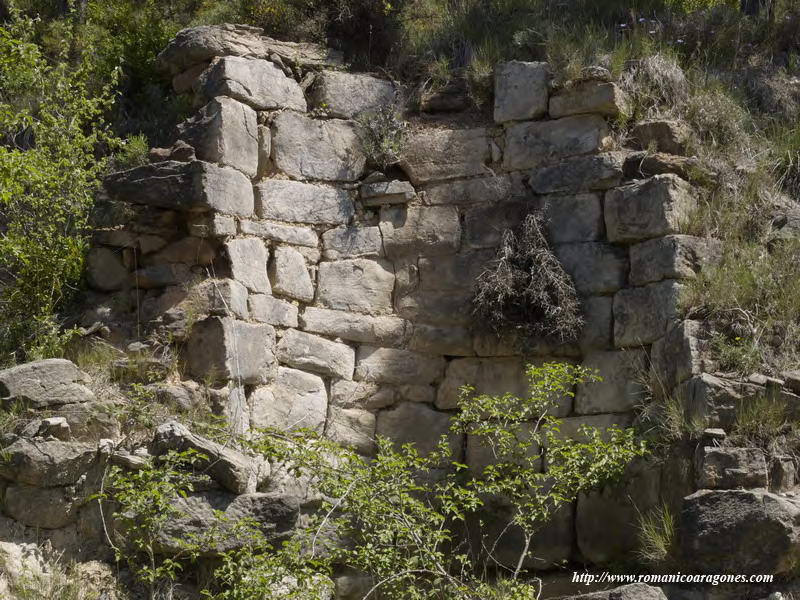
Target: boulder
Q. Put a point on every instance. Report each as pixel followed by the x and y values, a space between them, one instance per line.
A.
pixel 724 468
pixel 295 400
pixel 352 242
pixel 248 260
pixel 579 174
pixel 355 327
pixel 43 508
pixel 720 528
pixel 225 132
pixel 380 193
pixel 439 154
pixel 196 186
pixel 642 314
pixel 353 428
pixel 621 389
pixel 297 202
pixel 105 271
pixel 224 349
pixel 420 230
pixel 313 353
pixel 306 148
pixel 289 274
pixel 535 144
pixel 233 470
pixel 347 95
pixel 266 309
pixel 357 285
pixel 520 90
pixel 418 424
pixel 394 366
pixel 597 97
pixel 576 218
pixel 670 137
pixel 672 257
pixel 595 267
pixel 280 232
pixel 647 209
pixel 46 463
pixel 45 383
pixel 714 400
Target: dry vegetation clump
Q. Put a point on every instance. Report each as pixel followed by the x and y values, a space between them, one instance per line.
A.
pixel 525 291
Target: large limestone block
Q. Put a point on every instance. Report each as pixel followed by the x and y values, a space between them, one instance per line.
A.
pixel 435 339
pixel 253 81
pixel 730 468
pixel 248 260
pixel 189 250
pixel 598 330
pixel 439 154
pixel 452 272
pixel 225 132
pixel 297 202
pixel 576 218
pixel 364 395
pixel 420 230
pixel 600 97
pixel 296 400
pixel 352 428
pixel 678 355
pixel 280 232
pixel 313 353
pixel 539 143
pixel 642 314
pixel 395 366
pixel 160 276
pixel 672 257
pixel 484 225
pixel 436 307
pixel 289 274
pixel 381 193
pixel 47 463
pixel 45 383
pixel 480 190
pixel 48 508
pixel 357 285
pixel 221 297
pixel 671 137
pixel 378 330
pixel 352 242
pixel 195 186
pixel 222 349
pixel 520 90
pixel 621 388
pixel 105 271
pixel 418 424
pixel 583 173
pixel 493 376
pixel 714 400
pixel 721 528
pixel 266 309
pixel 647 209
pixel 306 148
pixel 347 95
pixel 595 267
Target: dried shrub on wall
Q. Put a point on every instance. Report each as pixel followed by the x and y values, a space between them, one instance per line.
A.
pixel 525 292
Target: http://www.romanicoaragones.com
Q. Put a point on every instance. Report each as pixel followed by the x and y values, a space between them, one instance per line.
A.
pixel 715 579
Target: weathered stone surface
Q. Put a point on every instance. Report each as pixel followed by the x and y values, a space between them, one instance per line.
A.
pixel 434 339
pixel 361 395
pixel 189 250
pixel 576 218
pixel 353 428
pixel 358 285
pixel 192 185
pixel 306 148
pixel 313 353
pixel 677 356
pixel 722 527
pixel 438 154
pixel 266 309
pixel 160 276
pixel 295 400
pixel 495 376
pixel 184 82
pixel 714 400
pixel 279 232
pixel 389 365
pixel 235 471
pixel 289 274
pixel 221 297
pixel 297 202
pixel 580 174
pixel 208 225
pixel 378 330
pixel 48 508
pixel 633 591
pixel 672 257
pixel 520 90
pixel 105 271
pixel 642 314
pixel 782 474
pixel 124 238
pixel 720 468
pixel 650 208
pixel 248 260
pixel 672 137
pixel 253 81
pixel 643 164
pixel 480 190
pixel 418 424
pixel 380 193
pixel 589 97
pixel 352 242
pixel 535 144
pixel 225 132
pixel 621 388
pixel 347 95
pixel 226 349
pixel 484 225
pixel 45 383
pixel 21 562
pixel 43 463
pixel 420 230
pixel 436 307
pixel 595 267
pixel 453 96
